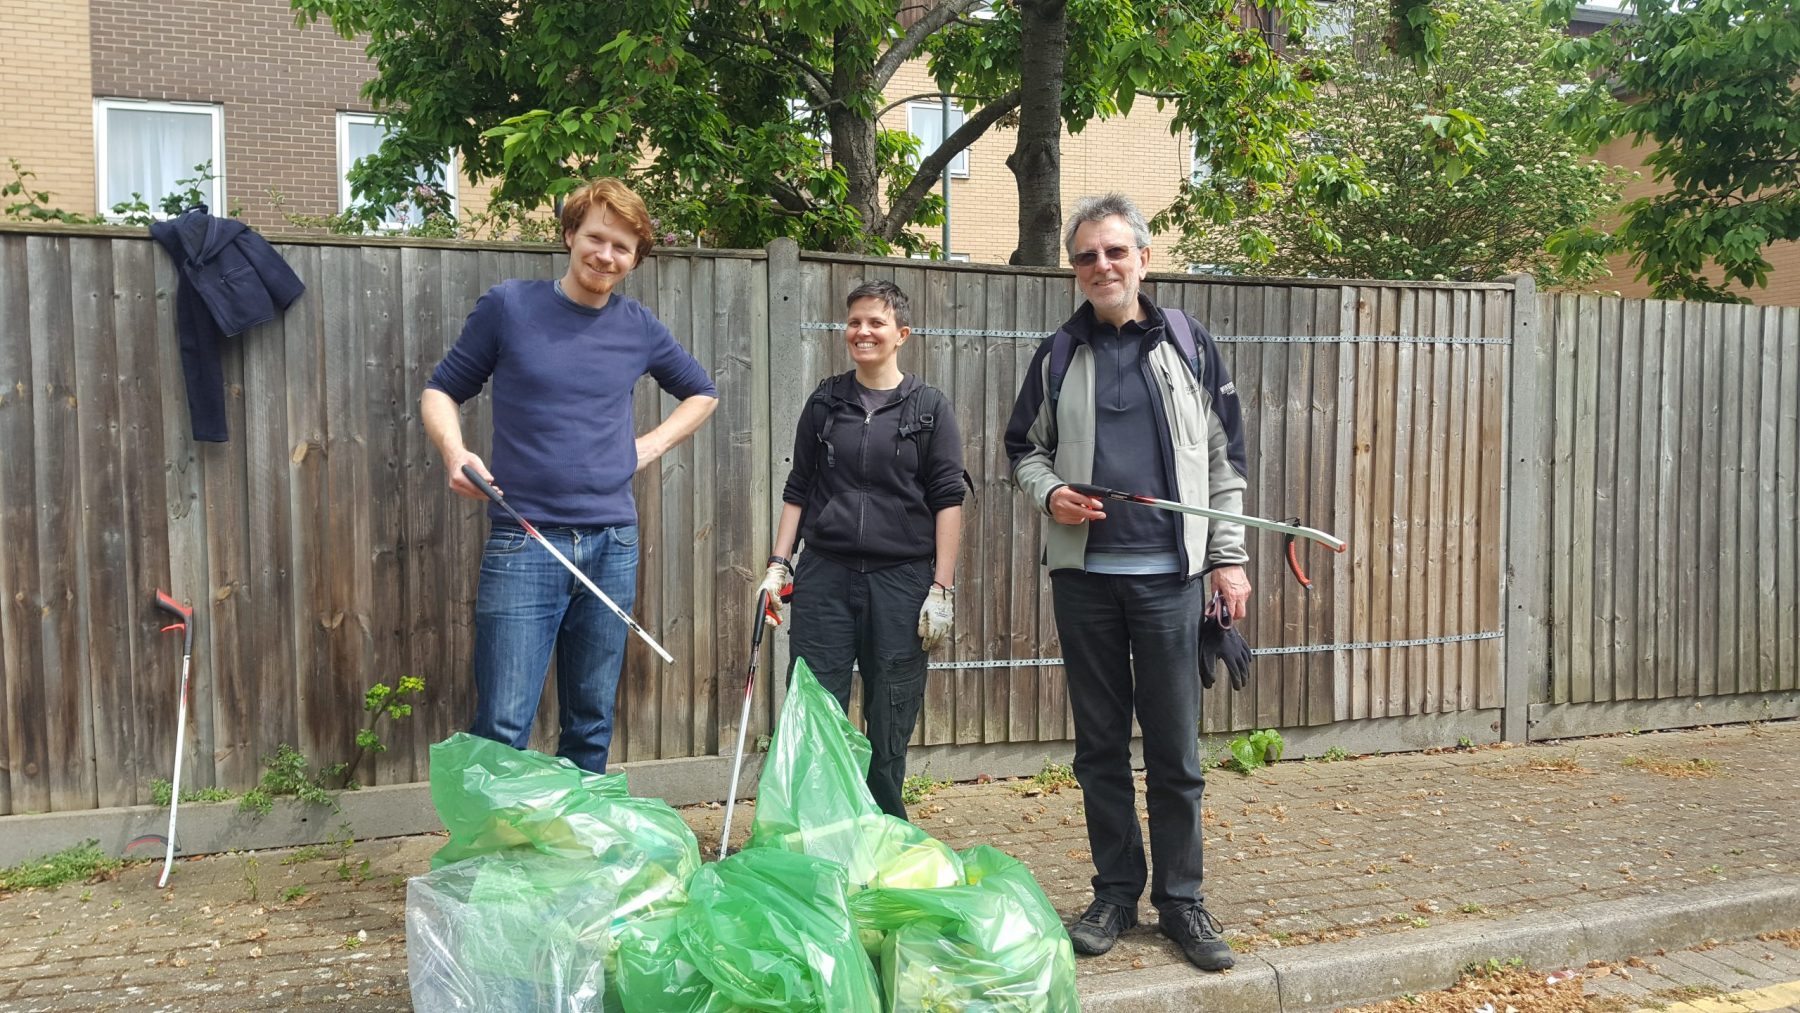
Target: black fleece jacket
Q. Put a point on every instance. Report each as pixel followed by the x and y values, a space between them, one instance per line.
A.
pixel 867 503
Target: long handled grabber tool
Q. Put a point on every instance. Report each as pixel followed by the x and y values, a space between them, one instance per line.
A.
pixel 1291 527
pixel 492 493
pixel 184 622
pixel 765 616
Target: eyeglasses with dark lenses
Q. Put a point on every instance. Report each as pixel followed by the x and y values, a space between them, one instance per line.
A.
pixel 1088 258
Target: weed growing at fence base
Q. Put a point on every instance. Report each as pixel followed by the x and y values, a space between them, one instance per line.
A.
pixel 1048 781
pixel 921 786
pixel 1256 749
pixel 76 864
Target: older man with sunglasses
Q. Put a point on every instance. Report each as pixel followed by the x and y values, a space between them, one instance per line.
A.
pixel 1115 399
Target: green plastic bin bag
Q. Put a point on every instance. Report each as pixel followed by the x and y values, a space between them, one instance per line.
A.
pixel 771 930
pixel 813 798
pixel 993 945
pixel 512 932
pixel 497 799
pixel 655 975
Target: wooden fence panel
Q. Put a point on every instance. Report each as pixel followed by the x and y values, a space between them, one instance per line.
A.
pixel 1673 567
pixel 322 552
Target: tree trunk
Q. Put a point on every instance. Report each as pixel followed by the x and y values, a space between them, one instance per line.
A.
pixel 853 150
pixel 1036 160
pixel 853 131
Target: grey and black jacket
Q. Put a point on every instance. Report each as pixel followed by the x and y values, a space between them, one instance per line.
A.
pixel 1202 446
pixel 868 499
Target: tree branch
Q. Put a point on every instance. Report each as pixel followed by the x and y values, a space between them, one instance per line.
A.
pixel 908 44
pixel 897 103
pixel 932 168
pixel 811 78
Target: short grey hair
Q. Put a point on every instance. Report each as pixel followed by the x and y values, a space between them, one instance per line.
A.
pixel 1094 209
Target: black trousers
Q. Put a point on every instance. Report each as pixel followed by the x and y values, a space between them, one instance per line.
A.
pixel 842 616
pixel 1132 642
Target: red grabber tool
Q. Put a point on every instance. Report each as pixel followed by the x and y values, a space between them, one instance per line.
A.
pixel 184 621
pixel 1291 528
pixel 492 493
pixel 765 616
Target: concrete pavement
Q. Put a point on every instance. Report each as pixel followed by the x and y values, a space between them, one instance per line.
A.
pixel 1336 881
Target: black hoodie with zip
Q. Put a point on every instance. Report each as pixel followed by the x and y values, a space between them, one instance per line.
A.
pixel 867 500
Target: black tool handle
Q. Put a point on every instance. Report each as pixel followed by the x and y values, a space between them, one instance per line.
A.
pixel 492 493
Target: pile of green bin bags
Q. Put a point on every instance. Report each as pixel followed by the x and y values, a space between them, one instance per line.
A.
pixel 557 891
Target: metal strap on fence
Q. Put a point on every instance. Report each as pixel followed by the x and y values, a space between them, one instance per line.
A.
pixel 1293 339
pixel 1458 638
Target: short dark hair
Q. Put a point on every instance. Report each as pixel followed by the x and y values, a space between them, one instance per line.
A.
pixel 887 292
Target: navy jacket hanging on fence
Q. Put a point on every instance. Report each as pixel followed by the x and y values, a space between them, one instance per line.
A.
pixel 231 280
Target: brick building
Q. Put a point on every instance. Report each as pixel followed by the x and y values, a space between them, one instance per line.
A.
pixel 127 96
pixel 277 108
pixel 104 97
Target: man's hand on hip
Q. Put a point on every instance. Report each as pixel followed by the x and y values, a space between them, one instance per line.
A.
pixel 1234 584
pixel 1070 507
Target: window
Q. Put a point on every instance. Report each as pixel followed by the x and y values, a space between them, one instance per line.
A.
pixel 925 120
pixel 1332 21
pixel 359 136
pixel 812 122
pixel 144 147
pixel 1199 162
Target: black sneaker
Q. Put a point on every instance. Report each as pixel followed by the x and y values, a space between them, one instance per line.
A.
pixel 1198 932
pixel 1099 926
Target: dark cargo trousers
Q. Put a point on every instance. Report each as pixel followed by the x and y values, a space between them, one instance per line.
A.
pixel 842 616
pixel 1133 642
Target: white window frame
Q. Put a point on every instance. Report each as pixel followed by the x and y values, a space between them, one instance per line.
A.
pixel 346 200
pixel 102 106
pixel 1199 169
pixel 959 166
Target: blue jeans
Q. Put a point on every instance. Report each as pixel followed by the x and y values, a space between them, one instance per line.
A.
pixel 527 604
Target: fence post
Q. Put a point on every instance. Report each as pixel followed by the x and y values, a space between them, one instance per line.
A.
pixel 1527 526
pixel 784 389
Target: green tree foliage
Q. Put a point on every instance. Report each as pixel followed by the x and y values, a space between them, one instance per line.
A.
pixel 1711 83
pixel 1466 177
pixel 756 119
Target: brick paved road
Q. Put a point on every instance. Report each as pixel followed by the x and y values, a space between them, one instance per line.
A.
pixel 1302 852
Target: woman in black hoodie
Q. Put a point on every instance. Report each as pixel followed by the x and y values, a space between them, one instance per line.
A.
pixel 875 494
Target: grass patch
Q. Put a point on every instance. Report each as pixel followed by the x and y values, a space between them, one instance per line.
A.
pixel 161 791
pixel 1334 755
pixel 76 864
pixel 1698 766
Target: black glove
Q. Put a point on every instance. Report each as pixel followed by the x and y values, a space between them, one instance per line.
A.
pixel 1220 641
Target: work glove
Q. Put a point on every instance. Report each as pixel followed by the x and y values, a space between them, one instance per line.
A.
pixel 935 615
pixel 776 582
pixel 1220 641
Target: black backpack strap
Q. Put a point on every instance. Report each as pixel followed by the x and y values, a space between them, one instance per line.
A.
pixel 1062 349
pixel 1182 333
pixel 820 406
pixel 919 415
